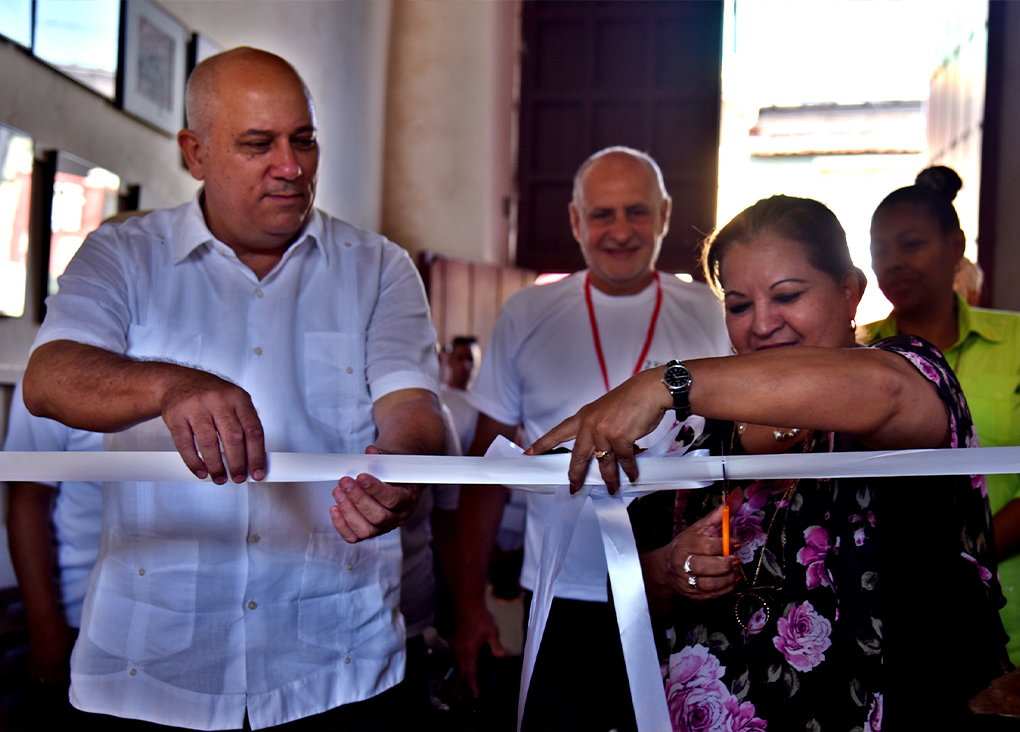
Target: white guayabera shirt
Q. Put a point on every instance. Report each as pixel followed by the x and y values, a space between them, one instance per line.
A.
pixel 209 600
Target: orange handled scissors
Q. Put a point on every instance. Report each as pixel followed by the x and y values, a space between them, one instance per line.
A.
pixel 725 512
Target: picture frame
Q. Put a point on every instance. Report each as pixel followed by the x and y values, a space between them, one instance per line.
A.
pixel 154 50
pixel 201 48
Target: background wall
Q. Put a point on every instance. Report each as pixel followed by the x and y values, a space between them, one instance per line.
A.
pixel 450 107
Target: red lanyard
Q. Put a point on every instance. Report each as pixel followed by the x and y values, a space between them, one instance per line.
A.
pixel 595 327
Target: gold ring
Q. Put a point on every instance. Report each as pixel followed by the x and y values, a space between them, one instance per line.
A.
pixel 601 454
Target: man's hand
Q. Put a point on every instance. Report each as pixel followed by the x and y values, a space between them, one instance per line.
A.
pixel 367 507
pixel 49 647
pixel 475 628
pixel 206 415
pixel 213 422
pixel 409 423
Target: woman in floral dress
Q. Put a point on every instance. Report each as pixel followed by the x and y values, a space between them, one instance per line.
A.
pixel 848 604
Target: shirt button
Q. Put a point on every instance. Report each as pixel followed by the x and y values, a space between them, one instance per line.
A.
pixel 220 250
pixel 347 660
pixel 347 244
pixel 350 566
pixel 350 370
pixel 141 572
pixel 133 671
pixel 257 351
pixel 258 293
pixel 254 538
pixel 252 604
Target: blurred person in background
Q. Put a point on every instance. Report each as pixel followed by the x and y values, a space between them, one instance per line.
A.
pixel 53 536
pixel 916 249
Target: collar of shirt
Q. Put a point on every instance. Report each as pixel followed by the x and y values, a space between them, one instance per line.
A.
pixel 967 323
pixel 195 233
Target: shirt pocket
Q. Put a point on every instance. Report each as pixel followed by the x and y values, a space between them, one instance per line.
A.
pixel 334 370
pixel 995 408
pixel 341 602
pixel 144 606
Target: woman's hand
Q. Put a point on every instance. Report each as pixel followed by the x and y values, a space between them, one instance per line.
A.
pixel 608 427
pixel 694 553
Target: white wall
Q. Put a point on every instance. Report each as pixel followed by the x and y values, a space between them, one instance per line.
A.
pixel 448 157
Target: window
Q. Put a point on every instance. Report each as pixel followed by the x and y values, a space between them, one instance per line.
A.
pixel 81 39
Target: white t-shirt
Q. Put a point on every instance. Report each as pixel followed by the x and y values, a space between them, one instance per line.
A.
pixel 78 510
pixel 209 600
pixel 540 366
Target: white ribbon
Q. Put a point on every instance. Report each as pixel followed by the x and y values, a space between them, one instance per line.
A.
pixel 540 474
pixel 545 474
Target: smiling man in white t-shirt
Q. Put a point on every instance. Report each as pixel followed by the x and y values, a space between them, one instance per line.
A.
pixel 555 348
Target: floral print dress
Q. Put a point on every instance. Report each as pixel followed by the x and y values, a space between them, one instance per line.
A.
pixel 867 603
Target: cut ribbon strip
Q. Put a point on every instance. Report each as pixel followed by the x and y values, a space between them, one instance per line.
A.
pixel 545 474
pixel 540 474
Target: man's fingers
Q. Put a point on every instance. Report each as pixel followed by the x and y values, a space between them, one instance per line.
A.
pixel 217 418
pixel 357 526
pixel 341 526
pixel 469 672
pixel 184 441
pixel 254 442
pixel 468 644
pixel 231 439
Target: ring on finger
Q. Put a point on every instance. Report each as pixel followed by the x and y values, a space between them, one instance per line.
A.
pixel 687 563
pixel 602 454
pixel 692 581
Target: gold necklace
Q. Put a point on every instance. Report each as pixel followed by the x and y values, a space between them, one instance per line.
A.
pixel 779 434
pixel 755 602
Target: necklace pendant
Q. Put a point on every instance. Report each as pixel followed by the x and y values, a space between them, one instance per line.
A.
pixel 784 435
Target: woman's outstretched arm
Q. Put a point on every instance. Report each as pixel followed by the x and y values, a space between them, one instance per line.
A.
pixel 874 395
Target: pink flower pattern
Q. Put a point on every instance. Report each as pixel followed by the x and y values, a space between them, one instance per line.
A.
pixel 812 555
pixel 745 524
pixel 874 722
pixel 803 637
pixel 983 572
pixel 698 699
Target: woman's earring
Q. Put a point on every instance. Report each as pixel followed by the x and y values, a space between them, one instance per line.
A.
pixel 853 324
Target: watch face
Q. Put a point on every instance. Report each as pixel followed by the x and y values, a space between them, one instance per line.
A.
pixel 677 377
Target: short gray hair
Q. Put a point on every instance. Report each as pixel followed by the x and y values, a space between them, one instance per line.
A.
pixel 641 157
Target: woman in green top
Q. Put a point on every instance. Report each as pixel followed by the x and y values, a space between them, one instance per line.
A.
pixel 916 247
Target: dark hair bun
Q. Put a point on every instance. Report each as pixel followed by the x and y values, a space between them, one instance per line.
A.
pixel 940 179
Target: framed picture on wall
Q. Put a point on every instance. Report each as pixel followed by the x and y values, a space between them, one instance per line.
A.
pixel 201 48
pixel 154 48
